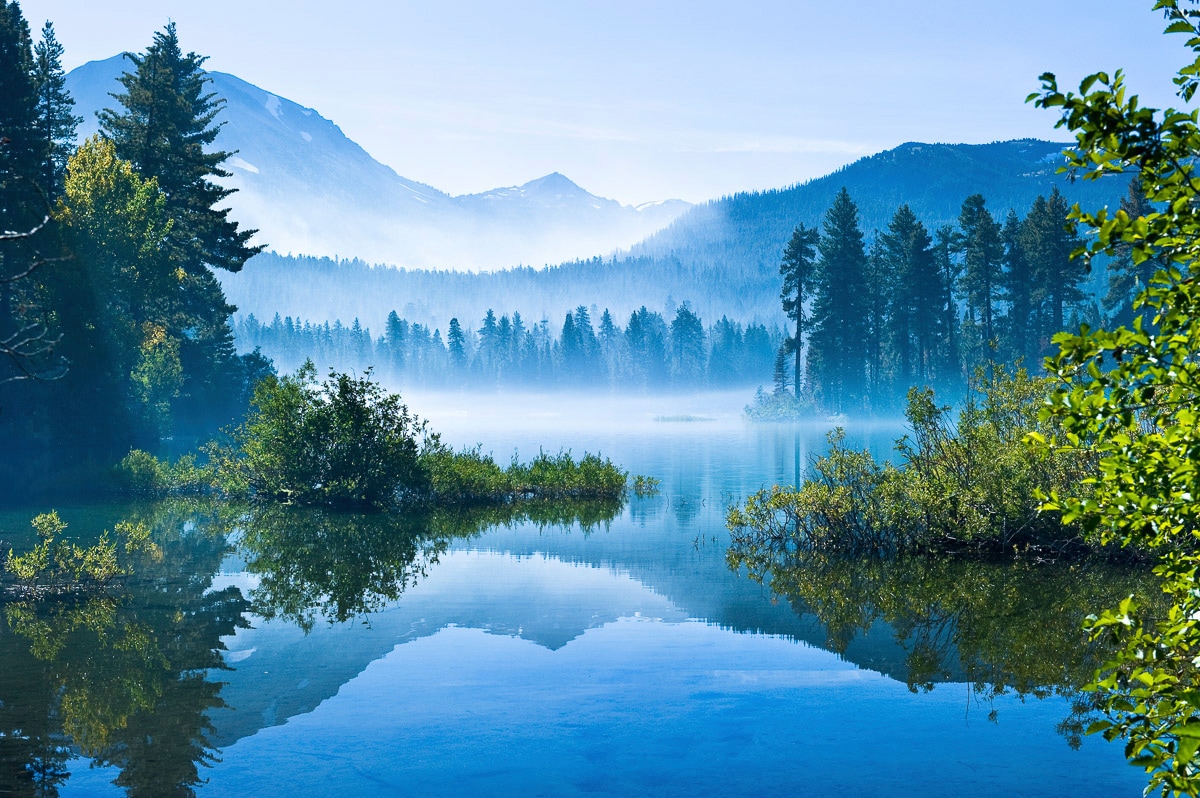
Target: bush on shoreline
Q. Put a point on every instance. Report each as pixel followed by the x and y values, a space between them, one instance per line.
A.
pixel 968 486
pixel 348 443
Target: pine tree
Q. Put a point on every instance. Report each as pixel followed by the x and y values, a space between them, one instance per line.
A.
pixel 687 347
pixel 20 146
pixel 457 345
pixel 914 310
pixel 837 341
pixel 798 270
pixel 1020 320
pixel 1125 278
pixel 983 252
pixel 1055 276
pixel 55 118
pixel 948 358
pixel 878 290
pixel 166 124
pixel 164 129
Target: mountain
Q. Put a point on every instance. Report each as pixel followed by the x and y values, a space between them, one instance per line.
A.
pixel 722 257
pixel 309 189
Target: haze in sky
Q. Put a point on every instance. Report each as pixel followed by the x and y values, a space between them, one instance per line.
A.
pixel 642 101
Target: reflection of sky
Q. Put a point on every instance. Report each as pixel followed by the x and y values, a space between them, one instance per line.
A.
pixel 625 661
pixel 640 707
pixel 537 673
pixel 716 452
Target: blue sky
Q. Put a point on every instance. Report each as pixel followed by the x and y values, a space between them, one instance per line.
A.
pixel 646 100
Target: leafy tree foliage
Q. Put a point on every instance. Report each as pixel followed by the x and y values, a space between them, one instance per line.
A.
pixel 166 123
pixel 344 442
pixel 1132 394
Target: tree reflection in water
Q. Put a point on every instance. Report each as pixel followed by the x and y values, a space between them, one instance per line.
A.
pixel 1011 626
pixel 315 563
pixel 90 674
pixel 126 677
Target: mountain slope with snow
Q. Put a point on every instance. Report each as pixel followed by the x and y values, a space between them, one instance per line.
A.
pixel 309 189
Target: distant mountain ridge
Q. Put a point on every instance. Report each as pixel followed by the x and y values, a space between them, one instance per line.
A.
pixel 721 257
pixel 310 189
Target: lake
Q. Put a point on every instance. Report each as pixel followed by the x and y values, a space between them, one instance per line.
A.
pixel 573 650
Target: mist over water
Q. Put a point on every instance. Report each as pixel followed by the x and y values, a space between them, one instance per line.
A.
pixel 650 434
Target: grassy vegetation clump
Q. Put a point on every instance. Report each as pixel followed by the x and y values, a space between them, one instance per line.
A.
pixel 346 442
pixel 55 565
pixel 964 486
pixel 471 477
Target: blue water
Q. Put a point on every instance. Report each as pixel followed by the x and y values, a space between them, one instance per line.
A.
pixel 624 660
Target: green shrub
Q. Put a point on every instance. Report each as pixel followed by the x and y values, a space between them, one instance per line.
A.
pixel 55 565
pixel 964 486
pixel 646 486
pixel 142 474
pixel 344 442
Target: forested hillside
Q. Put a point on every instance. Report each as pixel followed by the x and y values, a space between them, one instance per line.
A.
pixel 722 257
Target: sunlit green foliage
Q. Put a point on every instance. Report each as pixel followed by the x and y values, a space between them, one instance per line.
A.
pixel 965 486
pixel 343 442
pixel 1133 396
pixel 347 442
pixel 142 474
pixel 56 565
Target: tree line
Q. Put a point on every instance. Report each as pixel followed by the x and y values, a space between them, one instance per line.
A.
pixel 914 307
pixel 647 353
pixel 111 319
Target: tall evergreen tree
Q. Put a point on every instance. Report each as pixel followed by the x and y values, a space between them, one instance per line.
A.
pixel 56 119
pixel 1125 278
pixel 456 341
pixel 877 296
pixel 798 268
pixel 687 347
pixel 1056 276
pixel 983 252
pixel 948 269
pixel 838 334
pixel 21 153
pixel 167 121
pixel 915 310
pixel 1019 320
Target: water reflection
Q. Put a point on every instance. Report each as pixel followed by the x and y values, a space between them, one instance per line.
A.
pixel 314 563
pixel 124 679
pixel 129 678
pixel 1012 626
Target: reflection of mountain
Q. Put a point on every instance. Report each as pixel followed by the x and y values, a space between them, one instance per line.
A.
pixel 547 587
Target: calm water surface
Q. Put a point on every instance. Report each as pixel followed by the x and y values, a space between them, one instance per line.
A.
pixel 613 655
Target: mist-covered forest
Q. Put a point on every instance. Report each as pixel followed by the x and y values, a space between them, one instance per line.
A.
pixel 866 316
